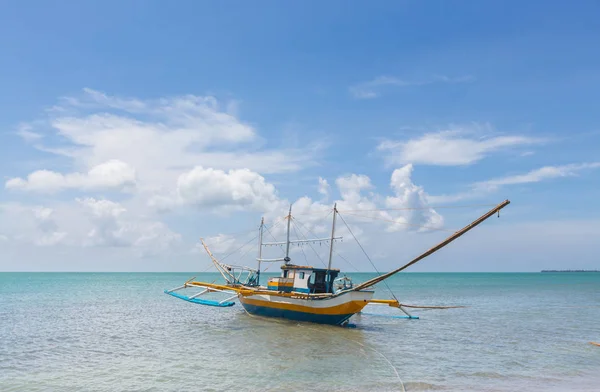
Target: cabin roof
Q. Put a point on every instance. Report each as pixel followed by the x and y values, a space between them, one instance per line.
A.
pixel 307 267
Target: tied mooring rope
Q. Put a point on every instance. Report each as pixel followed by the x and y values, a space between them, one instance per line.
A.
pixel 371 348
pixel 353 341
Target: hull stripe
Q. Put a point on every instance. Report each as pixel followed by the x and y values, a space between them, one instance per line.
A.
pixel 349 307
pixel 332 319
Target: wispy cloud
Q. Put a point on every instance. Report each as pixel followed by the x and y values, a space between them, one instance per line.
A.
pixel 26 133
pixel 373 88
pixel 455 147
pixel 483 188
pixel 537 175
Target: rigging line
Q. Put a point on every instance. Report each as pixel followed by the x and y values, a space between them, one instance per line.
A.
pixel 401 223
pixel 243 254
pixel 311 213
pixel 309 244
pixel 239 232
pixel 253 239
pixel 368 258
pixel 346 260
pixel 312 233
pixel 274 239
pixel 421 208
pixel 301 248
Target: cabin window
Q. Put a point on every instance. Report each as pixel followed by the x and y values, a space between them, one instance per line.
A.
pixel 285 273
pixel 301 275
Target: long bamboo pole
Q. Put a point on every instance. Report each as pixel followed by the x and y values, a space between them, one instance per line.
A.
pixel 439 246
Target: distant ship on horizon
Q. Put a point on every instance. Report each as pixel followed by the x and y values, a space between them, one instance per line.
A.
pixel 570 270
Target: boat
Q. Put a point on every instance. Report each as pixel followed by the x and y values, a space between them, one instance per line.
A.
pixel 303 292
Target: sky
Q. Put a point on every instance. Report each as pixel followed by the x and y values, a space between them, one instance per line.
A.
pixel 128 130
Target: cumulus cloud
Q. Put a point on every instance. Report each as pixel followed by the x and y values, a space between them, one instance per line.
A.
pixel 219 190
pixel 374 88
pixel 162 137
pixel 111 228
pixel 112 174
pixel 324 188
pixel 210 187
pixel 412 202
pixel 85 222
pixel 406 209
pixel 47 230
pixel 449 148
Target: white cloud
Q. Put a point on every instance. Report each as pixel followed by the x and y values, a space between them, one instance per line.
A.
pixel 537 175
pixel 324 188
pixel 25 132
pixel 84 223
pixel 111 228
pixel 350 186
pixel 47 230
pixel 163 137
pixel 220 244
pixel 482 188
pixel 412 200
pixel 449 148
pixel 112 174
pixel 217 190
pixel 359 205
pixel 373 88
pixel 406 209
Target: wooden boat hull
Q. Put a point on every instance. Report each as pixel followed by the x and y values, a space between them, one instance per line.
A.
pixel 333 311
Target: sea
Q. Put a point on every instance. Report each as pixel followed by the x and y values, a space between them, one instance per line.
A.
pixel 120 332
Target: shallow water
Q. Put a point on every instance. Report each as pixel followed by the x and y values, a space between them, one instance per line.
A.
pixel 109 332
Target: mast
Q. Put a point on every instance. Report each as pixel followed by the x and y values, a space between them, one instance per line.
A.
pixel 332 236
pixel 287 242
pixel 260 245
pixel 329 282
pixel 439 246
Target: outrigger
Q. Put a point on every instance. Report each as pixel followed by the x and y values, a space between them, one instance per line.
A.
pixel 302 292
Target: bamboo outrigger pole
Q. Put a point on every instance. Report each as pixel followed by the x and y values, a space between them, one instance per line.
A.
pixel 439 246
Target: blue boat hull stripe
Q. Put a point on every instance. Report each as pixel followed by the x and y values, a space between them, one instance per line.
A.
pixel 332 319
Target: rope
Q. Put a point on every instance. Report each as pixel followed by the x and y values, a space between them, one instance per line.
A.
pixel 370 348
pixel 336 252
pixel 274 239
pixel 346 260
pixel 309 244
pixel 301 248
pixel 253 239
pixel 354 341
pixel 368 258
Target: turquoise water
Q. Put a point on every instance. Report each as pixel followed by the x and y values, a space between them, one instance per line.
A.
pixel 119 332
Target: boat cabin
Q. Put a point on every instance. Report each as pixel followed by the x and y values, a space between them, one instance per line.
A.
pixel 304 279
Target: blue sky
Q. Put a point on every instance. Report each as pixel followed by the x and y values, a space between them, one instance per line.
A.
pixel 129 129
